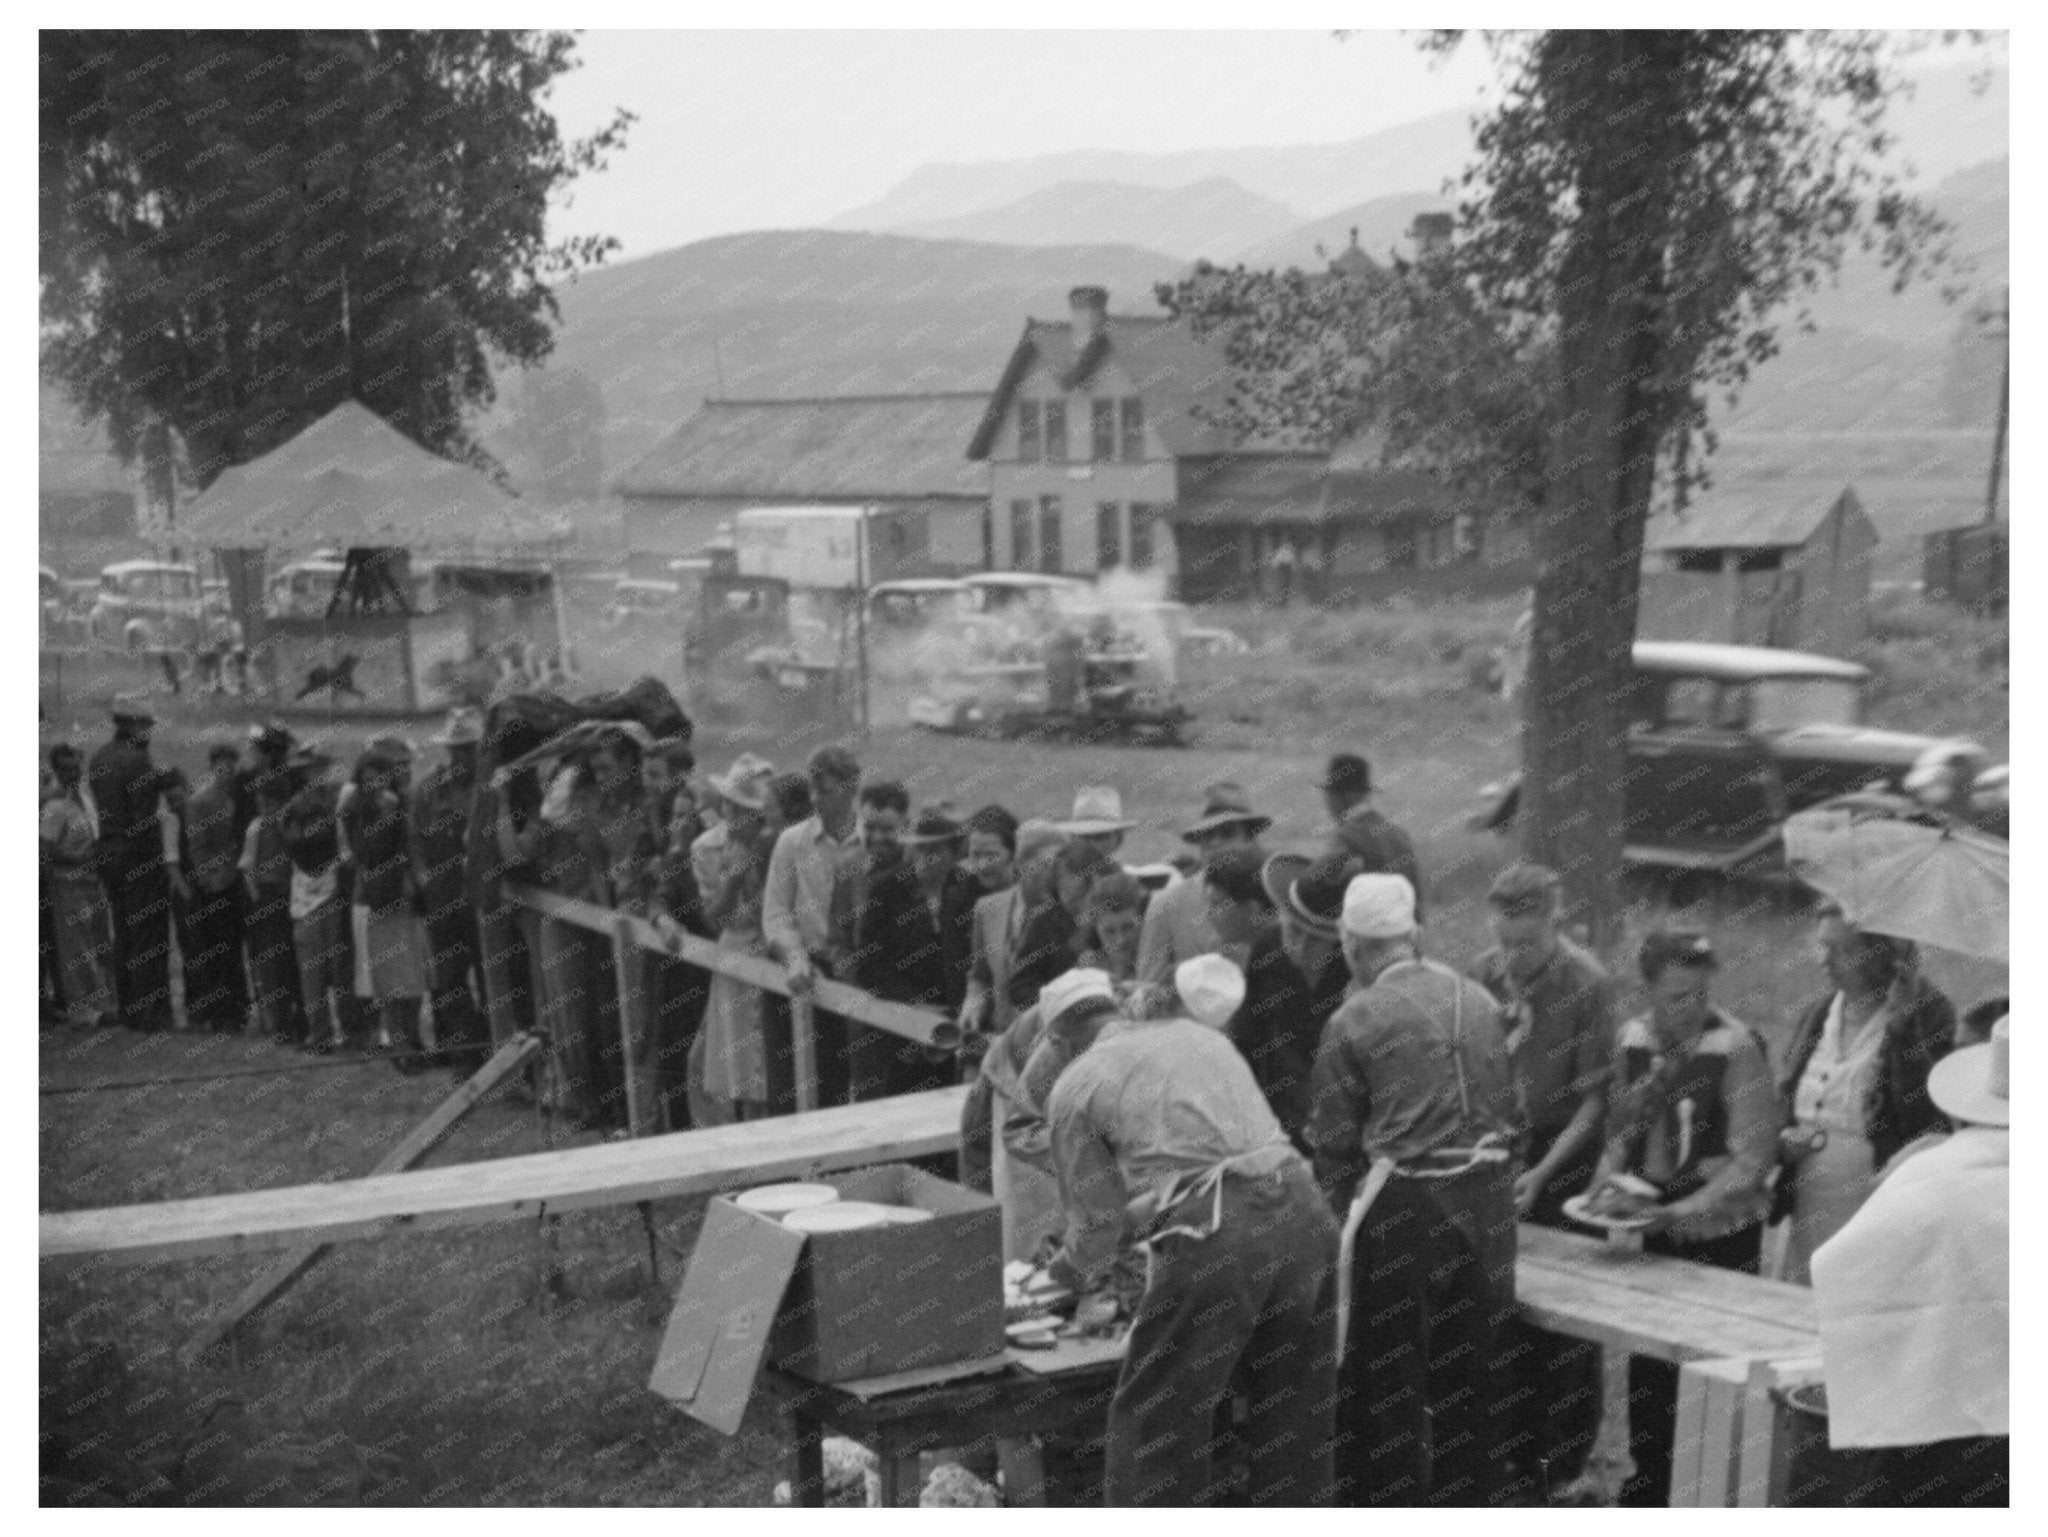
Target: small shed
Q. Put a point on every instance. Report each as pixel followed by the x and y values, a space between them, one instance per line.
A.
pixel 1785 566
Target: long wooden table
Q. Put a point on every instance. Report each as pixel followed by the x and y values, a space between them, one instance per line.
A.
pixel 685 1163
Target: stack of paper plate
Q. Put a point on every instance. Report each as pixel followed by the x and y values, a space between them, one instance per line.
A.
pixel 777 1200
pixel 906 1214
pixel 838 1217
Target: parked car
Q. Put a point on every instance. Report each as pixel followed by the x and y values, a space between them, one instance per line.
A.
pixel 147 605
pixel 1725 742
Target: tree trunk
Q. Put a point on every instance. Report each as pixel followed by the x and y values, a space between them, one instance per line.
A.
pixel 1601 470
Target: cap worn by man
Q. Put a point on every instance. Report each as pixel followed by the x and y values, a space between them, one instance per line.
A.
pixel 1072 987
pixel 131 707
pixel 1211 988
pixel 1379 907
pixel 1225 804
pixel 387 749
pixel 1098 809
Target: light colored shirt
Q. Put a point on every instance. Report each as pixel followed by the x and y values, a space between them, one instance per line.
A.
pixel 796 905
pixel 310 893
pixel 1144 1107
pixel 70 830
pixel 1914 1300
pixel 1176 929
pixel 1834 1086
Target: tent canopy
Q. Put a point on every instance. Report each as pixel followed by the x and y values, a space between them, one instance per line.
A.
pixel 353 479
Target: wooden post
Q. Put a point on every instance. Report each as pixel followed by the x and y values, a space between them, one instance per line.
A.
pixel 636 1026
pixel 288 1268
pixel 803 1043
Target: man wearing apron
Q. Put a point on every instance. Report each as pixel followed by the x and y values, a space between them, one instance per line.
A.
pixel 1411 1125
pixel 1160 1124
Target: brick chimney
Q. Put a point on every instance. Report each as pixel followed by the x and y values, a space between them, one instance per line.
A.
pixel 1091 310
pixel 1431 233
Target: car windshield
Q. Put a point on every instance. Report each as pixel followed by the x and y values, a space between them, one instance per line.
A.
pixel 1780 704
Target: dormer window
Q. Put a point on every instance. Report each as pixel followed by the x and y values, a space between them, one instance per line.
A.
pixel 1027 429
pixel 1056 431
pixel 1134 429
pixel 1102 431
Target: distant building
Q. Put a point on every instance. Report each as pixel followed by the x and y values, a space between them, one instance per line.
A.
pixel 1760 566
pixel 1103 450
pixel 899 452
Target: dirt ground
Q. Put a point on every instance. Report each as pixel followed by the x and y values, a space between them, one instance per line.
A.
pixel 444 1369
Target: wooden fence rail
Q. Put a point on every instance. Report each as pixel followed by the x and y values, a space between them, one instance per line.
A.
pixel 628 931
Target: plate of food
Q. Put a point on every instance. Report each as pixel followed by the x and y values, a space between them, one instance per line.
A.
pixel 1621 1203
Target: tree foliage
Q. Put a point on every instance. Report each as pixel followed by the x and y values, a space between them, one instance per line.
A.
pixel 239 231
pixel 1647 211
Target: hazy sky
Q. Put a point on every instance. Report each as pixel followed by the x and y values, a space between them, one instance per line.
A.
pixel 766 130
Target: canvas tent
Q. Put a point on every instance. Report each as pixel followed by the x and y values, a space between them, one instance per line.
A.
pixel 352 479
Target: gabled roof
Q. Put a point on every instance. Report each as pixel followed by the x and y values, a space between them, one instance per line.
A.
pixel 862 447
pixel 353 479
pixel 1184 383
pixel 1751 517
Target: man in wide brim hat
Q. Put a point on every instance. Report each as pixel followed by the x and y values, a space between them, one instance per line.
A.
pixel 1225 804
pixel 746 783
pixel 1099 814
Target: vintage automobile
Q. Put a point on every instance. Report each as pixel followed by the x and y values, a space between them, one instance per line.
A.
pixel 147 605
pixel 1725 742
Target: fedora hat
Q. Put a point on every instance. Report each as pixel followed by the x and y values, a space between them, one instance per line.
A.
pixel 933 826
pixel 1225 804
pixel 746 782
pixel 463 728
pixel 1347 774
pixel 1309 891
pixel 1974 1084
pixel 1097 809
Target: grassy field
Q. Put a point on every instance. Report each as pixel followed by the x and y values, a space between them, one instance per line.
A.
pixel 451 1370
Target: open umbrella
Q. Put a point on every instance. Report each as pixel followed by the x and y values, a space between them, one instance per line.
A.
pixel 1923 877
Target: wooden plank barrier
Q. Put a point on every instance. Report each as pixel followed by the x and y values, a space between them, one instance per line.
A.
pixel 417 1143
pixel 684 1163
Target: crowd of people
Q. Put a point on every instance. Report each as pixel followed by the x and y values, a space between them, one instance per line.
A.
pixel 1321 1135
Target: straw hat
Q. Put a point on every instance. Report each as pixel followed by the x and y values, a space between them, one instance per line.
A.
pixel 1225 804
pixel 746 782
pixel 1310 892
pixel 1097 809
pixel 1975 1083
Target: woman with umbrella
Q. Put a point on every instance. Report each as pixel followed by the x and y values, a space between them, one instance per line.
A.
pixel 1855 1077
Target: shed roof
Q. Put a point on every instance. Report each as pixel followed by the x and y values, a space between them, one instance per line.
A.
pixel 868 447
pixel 1747 517
pixel 353 479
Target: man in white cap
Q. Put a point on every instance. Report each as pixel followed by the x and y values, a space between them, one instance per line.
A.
pixel 1412 1121
pixel 1915 1303
pixel 1159 1126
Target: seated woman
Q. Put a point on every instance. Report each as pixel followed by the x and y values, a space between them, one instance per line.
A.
pixel 1855 1077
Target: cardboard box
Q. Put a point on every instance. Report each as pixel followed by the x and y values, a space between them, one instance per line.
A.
pixel 834 1307
pixel 896 1298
